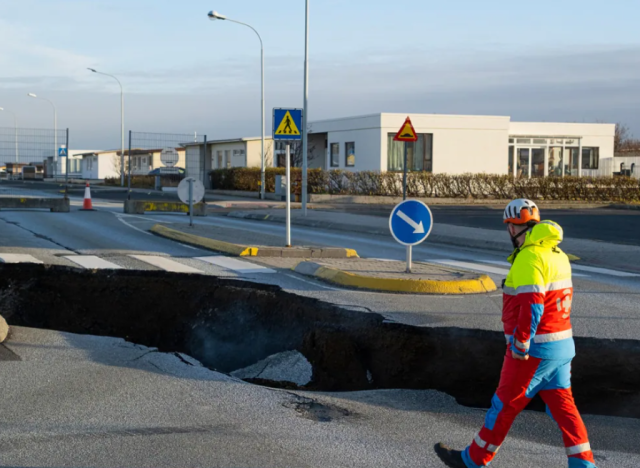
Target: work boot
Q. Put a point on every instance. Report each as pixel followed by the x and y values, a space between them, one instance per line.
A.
pixel 450 457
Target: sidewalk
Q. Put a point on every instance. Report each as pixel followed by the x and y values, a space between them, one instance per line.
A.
pixel 619 256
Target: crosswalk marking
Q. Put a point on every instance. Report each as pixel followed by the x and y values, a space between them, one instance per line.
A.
pixel 166 264
pixel 472 266
pixel 605 271
pixel 18 258
pixel 92 262
pixel 234 264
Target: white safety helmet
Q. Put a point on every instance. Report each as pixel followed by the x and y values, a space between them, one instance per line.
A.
pixel 521 211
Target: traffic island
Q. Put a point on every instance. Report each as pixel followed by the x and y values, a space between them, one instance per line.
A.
pixel 217 240
pixel 140 207
pixel 389 276
pixel 55 205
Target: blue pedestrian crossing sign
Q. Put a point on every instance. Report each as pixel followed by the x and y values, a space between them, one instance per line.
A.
pixel 62 152
pixel 410 222
pixel 287 124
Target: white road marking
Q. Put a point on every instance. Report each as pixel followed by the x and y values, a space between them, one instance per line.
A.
pixel 234 264
pixel 470 266
pixel 132 227
pixel 166 264
pixel 18 258
pixel 605 271
pixel 92 262
pixel 146 218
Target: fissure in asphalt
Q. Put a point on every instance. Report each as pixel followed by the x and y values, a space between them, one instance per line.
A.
pixel 230 324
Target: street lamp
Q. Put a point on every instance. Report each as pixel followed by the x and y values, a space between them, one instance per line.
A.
pixel 214 15
pixel 305 111
pixel 121 123
pixel 55 128
pixel 15 124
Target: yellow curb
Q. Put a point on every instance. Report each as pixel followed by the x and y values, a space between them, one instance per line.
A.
pixel 205 242
pixel 573 258
pixel 482 284
pixel 351 253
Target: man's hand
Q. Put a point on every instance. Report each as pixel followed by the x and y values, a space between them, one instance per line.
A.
pixel 517 356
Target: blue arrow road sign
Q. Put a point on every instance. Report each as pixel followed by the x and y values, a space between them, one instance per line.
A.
pixel 62 152
pixel 411 222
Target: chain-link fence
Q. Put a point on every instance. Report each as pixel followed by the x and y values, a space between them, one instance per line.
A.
pixel 172 157
pixel 29 155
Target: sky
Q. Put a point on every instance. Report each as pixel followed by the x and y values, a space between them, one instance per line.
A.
pixel 566 61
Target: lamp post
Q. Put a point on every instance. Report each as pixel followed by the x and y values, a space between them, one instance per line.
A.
pixel 121 123
pixel 213 15
pixel 15 124
pixel 55 128
pixel 305 135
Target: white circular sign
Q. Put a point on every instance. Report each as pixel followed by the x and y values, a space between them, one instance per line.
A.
pixel 169 157
pixel 183 190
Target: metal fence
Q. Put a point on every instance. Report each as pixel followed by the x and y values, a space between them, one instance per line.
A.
pixel 31 155
pixel 145 155
pixel 627 165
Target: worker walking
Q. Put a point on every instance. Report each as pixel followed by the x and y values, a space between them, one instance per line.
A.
pixel 536 315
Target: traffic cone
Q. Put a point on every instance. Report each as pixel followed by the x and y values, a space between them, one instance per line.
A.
pixel 87 205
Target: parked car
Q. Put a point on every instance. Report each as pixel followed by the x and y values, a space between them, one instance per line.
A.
pixel 162 171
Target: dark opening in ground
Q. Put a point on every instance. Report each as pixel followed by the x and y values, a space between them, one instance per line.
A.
pixel 229 324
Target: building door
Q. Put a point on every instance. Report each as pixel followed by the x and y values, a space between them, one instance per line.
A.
pixel 537 162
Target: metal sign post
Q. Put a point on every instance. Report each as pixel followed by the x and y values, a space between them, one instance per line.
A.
pixel 288 164
pixel 191 202
pixel 406 134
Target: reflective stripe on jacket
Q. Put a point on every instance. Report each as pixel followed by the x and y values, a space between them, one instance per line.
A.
pixel 537 296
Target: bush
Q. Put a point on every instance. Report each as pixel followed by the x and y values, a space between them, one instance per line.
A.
pixel 145 181
pixel 425 184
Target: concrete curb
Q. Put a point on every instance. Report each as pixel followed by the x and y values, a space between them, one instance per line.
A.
pixel 204 242
pixel 238 250
pixel 4 329
pixel 481 284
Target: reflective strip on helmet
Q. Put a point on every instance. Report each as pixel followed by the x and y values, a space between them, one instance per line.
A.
pixel 493 448
pixel 551 337
pixel 481 443
pixel 576 449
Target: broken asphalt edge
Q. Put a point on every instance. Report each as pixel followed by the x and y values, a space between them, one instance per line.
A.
pixel 479 285
pixel 238 250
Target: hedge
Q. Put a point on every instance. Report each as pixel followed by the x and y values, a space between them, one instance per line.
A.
pixel 426 184
pixel 145 181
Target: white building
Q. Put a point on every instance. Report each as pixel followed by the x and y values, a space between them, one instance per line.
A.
pixel 457 144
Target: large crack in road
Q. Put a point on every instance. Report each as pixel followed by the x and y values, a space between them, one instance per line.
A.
pixel 229 324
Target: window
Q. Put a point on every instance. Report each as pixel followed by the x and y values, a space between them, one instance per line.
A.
pixel 350 154
pixel 227 158
pixel 571 162
pixel 590 158
pixel 419 153
pixel 219 166
pixel 511 154
pixel 555 161
pixel 335 154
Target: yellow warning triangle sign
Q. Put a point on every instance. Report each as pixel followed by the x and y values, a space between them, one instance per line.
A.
pixel 407 132
pixel 288 126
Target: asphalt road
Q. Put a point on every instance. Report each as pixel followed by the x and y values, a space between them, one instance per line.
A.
pixel 100 402
pixel 83 401
pixel 619 226
pixel 601 224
